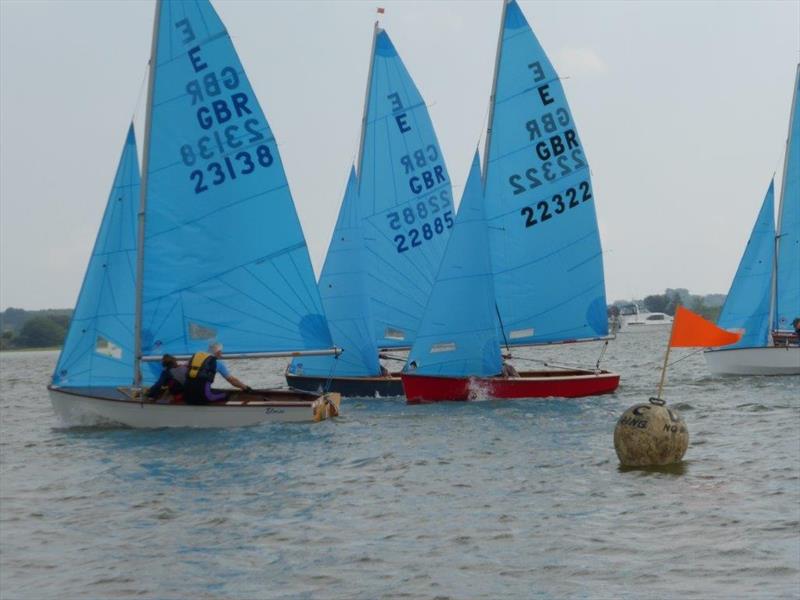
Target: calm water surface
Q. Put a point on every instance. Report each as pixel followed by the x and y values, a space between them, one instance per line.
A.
pixel 521 499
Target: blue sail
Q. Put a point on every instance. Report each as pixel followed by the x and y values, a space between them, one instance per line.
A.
pixel 747 304
pixel 98 349
pixel 344 293
pixel 459 332
pixel 540 208
pixel 787 302
pixel 224 255
pixel 405 198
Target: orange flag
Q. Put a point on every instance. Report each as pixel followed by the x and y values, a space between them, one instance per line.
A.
pixel 690 329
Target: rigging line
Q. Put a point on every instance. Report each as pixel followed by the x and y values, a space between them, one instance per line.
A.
pixel 685 357
pixel 600 358
pixel 327 387
pixel 502 329
pixel 142 86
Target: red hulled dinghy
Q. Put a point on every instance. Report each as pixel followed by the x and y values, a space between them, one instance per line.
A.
pixel 420 389
pixel 524 264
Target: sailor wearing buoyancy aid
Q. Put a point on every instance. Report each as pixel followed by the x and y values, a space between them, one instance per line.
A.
pixel 203 367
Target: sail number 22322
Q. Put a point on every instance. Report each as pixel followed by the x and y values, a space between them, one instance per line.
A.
pixel 560 203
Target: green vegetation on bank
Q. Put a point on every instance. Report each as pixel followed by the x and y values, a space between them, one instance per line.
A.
pixel 709 305
pixel 23 329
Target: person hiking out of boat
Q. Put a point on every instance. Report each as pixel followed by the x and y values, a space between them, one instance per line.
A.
pixel 203 368
pixel 508 370
pixel 172 378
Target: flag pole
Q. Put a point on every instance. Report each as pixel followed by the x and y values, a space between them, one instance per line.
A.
pixel 666 356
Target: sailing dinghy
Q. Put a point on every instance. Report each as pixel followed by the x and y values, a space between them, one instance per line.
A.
pixel 216 253
pixel 389 238
pixel 523 265
pixel 764 298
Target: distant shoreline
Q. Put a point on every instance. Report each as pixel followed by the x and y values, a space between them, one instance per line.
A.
pixel 46 348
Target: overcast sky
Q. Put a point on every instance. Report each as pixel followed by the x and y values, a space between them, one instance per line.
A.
pixel 682 107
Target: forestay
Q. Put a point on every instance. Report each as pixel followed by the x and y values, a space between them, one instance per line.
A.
pixel 342 286
pixel 788 281
pixel 459 334
pixel 98 349
pixel 404 198
pixel 224 254
pixel 747 305
pixel 543 231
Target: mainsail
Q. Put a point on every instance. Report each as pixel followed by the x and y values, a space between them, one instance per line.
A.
pixel 98 349
pixel 747 305
pixel 544 239
pixel 787 292
pixel 224 255
pixel 459 333
pixel 392 228
pixel 404 198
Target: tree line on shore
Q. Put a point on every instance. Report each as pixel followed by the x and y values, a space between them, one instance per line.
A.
pixel 23 329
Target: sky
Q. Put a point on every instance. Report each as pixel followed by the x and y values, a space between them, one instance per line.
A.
pixel 682 107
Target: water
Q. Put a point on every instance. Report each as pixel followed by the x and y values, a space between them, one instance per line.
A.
pixel 522 499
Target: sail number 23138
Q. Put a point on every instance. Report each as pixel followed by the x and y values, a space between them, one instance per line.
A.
pixel 243 162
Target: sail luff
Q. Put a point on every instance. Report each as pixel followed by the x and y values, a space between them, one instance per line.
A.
pixel 364 115
pixel 493 95
pixel 137 329
pixel 774 316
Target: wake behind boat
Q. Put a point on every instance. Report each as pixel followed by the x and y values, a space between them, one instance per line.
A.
pixel 764 299
pixel 216 253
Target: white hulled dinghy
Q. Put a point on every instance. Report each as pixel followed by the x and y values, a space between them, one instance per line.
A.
pixel 206 246
pixel 764 299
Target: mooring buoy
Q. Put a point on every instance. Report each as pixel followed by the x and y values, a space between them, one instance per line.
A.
pixel 650 434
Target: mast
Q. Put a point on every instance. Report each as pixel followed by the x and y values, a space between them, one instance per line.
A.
pixel 375 31
pixel 494 92
pixel 137 327
pixel 774 292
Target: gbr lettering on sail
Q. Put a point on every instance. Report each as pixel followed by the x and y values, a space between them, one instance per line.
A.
pixel 558 155
pixel 233 143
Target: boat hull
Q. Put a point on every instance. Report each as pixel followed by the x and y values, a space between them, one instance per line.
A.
pixel 771 360
pixel 114 407
pixel 349 387
pixel 531 384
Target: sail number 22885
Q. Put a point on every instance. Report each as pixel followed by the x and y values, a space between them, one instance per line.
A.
pixel 544 211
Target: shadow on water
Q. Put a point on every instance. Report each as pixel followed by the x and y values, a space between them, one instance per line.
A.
pixel 677 469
